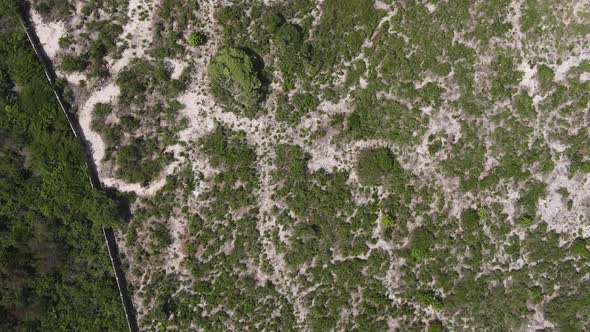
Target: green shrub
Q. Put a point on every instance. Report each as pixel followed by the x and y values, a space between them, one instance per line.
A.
pixel 197 39
pixel 234 80
pixel 161 236
pixel 130 123
pixel 140 162
pixel 525 222
pixel 301 104
pixel 273 22
pixel 72 63
pixel 529 199
pixel 435 326
pixel 579 248
pixel 101 112
pixel 506 76
pixel 387 221
pixel 377 167
pixel 570 312
pixel 431 299
pixel 546 74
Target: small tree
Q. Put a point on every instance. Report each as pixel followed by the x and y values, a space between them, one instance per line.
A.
pixel 197 39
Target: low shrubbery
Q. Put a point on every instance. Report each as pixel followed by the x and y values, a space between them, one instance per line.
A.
pixel 140 161
pixel 378 167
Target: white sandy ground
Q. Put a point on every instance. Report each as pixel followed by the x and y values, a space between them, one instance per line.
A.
pixel 381 5
pixel 528 82
pixel 48 33
pixel 563 68
pixel 177 66
pixel 106 94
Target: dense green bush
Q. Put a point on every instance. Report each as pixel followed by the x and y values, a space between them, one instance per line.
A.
pixel 72 63
pixel 234 80
pixel 161 236
pixel 143 77
pixel 292 54
pixel 175 17
pixel 54 9
pixel 99 117
pixel 571 312
pixel 197 39
pixel 140 161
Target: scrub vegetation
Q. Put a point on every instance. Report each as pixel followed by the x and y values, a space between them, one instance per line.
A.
pixel 354 165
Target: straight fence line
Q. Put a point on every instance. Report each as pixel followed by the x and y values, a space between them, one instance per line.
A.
pixel 107 232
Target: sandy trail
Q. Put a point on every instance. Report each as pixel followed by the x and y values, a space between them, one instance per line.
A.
pixel 109 94
pixel 139 32
pixel 106 94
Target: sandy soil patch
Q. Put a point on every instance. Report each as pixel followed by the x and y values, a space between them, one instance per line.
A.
pixel 137 31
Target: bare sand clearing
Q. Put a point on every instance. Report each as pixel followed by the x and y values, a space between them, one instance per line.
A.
pixel 48 33
pixel 563 68
pixel 553 208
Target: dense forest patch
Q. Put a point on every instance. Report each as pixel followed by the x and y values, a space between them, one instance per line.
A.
pixel 54 267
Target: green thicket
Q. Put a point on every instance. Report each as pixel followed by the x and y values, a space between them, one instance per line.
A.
pixel 230 152
pixel 228 218
pixel 147 109
pixel 96 46
pixel 197 39
pixel 143 78
pixel 55 274
pixel 56 9
pixel 140 161
pixel 350 22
